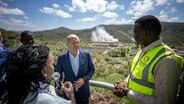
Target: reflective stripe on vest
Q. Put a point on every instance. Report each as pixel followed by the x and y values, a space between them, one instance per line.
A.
pixel 141 77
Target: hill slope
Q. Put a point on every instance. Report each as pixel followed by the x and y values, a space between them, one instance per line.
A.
pixel 171 32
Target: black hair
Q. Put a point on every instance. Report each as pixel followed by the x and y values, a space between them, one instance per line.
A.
pixel 24 34
pixel 151 23
pixel 25 68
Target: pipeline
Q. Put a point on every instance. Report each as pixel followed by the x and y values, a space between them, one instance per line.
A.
pixel 101 84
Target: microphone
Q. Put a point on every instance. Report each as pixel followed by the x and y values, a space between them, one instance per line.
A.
pixel 56 77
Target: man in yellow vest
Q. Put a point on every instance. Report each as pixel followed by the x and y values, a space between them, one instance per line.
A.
pixel 155 69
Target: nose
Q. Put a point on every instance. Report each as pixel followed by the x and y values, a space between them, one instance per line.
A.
pixel 76 44
pixel 31 42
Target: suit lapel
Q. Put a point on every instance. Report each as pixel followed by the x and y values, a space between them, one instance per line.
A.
pixel 81 62
pixel 68 64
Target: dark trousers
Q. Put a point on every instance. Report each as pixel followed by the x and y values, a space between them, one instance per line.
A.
pixel 80 100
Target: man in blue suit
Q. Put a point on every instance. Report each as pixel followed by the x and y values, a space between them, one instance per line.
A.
pixel 77 67
pixel 3 59
pixel 1 39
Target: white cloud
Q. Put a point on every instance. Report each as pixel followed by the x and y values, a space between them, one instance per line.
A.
pixel 180 1
pixel 8 11
pixel 122 21
pixel 89 5
pixel 26 17
pixel 78 5
pixel 62 14
pixel 161 2
pixel 88 19
pixel 127 21
pixel 162 12
pixel 166 18
pixel 12 23
pixel 122 7
pixel 112 6
pixel 173 10
pixel 110 15
pixel 136 17
pixel 57 12
pixel 3 4
pixel 47 10
pixel 56 5
pixel 163 17
pixel 173 19
pixel 16 22
pixel 67 6
pixel 95 6
pixel 139 8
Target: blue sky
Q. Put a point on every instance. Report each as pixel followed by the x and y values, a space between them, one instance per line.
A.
pixel 37 15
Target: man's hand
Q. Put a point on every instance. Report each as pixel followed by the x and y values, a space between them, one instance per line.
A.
pixel 77 84
pixel 120 90
pixel 68 89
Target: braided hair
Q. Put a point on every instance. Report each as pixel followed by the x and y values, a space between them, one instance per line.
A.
pixel 24 68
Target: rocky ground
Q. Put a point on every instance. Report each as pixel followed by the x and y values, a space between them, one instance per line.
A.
pixel 98 98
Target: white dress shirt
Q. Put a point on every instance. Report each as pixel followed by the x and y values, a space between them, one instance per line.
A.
pixel 74 60
pixel 46 95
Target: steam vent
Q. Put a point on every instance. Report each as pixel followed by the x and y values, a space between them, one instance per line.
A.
pixel 102 41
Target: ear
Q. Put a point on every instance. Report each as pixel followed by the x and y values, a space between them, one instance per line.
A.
pixel 43 70
pixel 147 32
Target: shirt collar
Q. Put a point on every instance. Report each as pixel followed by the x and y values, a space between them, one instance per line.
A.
pixel 152 45
pixel 72 55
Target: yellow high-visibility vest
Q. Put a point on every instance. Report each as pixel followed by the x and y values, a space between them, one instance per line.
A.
pixel 141 77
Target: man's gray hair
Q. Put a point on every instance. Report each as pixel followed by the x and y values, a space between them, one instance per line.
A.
pixel 71 36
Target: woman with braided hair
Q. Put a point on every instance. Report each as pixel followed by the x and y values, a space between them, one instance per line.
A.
pixel 28 73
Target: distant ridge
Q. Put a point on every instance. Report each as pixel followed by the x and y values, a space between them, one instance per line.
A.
pixel 171 32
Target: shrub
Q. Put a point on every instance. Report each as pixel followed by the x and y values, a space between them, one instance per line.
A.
pixel 117 53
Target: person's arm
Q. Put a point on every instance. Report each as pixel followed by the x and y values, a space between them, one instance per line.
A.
pixel 72 98
pixel 91 69
pixel 69 90
pixel 166 81
pixel 3 59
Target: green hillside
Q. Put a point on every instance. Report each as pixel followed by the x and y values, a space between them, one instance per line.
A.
pixel 171 32
pixel 10 38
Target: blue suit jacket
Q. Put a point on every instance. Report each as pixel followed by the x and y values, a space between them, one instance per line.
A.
pixel 3 58
pixel 86 70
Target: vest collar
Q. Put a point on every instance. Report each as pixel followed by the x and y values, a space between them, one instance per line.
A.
pixel 152 45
